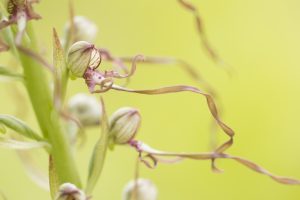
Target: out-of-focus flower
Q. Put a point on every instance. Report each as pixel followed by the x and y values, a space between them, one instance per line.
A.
pixel 142 189
pixel 86 109
pixel 20 11
pixel 124 124
pixel 81 56
pixel 84 29
pixel 15 7
pixel 68 191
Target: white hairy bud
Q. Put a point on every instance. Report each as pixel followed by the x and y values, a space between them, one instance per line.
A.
pixel 142 189
pixel 68 191
pixel 84 29
pixel 86 109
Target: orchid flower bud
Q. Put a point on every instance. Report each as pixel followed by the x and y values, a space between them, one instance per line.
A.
pixel 86 109
pixel 68 191
pixel 124 124
pixel 84 29
pixel 142 189
pixel 81 56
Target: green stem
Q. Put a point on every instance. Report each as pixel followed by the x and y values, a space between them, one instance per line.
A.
pixel 38 89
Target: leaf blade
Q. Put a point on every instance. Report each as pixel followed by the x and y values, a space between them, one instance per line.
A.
pixel 21 145
pixel 19 126
pixel 32 170
pixel 4 71
pixel 99 153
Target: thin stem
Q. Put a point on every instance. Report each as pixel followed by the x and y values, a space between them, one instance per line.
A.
pixel 136 178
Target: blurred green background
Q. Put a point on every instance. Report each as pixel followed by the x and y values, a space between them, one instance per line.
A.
pixel 260 101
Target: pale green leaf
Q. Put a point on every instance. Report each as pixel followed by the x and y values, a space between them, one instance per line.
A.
pixel 19 127
pixel 34 172
pixel 21 145
pixel 98 156
pixel 4 71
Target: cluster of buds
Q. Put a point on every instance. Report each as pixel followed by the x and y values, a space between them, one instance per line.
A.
pixel 140 189
pixel 68 191
pixel 123 123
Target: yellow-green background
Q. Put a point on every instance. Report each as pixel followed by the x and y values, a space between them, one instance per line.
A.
pixel 259 38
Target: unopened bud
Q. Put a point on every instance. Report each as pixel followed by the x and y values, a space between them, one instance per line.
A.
pixel 86 109
pixel 124 124
pixel 84 29
pixel 68 191
pixel 81 56
pixel 142 189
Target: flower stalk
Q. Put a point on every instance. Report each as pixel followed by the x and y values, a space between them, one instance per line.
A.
pixel 77 57
pixel 48 118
